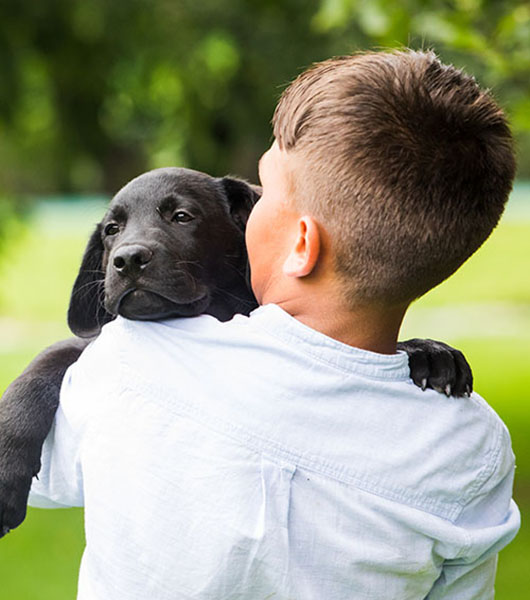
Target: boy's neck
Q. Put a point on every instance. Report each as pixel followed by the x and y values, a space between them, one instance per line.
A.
pixel 366 327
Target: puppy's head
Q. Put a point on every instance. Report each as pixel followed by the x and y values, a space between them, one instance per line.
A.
pixel 171 244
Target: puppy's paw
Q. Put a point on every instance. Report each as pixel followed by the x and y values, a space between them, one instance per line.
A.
pixel 13 502
pixel 438 366
pixel 16 474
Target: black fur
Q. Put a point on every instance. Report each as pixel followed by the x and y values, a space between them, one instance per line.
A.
pixel 86 313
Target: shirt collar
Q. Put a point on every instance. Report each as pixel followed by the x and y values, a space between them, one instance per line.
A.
pixel 293 332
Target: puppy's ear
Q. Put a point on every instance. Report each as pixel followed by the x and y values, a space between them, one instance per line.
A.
pixel 86 313
pixel 241 196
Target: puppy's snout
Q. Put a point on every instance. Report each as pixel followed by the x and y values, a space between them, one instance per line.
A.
pixel 131 260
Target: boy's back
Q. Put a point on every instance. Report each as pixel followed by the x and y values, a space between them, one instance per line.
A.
pixel 262 459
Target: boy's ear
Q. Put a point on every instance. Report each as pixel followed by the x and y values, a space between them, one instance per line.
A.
pixel 305 251
pixel 241 197
pixel 86 313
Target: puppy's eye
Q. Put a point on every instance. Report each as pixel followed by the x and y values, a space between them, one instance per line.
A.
pixel 181 216
pixel 112 229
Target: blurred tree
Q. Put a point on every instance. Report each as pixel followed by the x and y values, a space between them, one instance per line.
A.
pixel 94 92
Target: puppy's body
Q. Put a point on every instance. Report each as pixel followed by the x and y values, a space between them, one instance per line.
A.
pixel 170 245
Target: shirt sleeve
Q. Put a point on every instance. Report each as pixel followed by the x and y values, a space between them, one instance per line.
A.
pixel 86 387
pixel 487 524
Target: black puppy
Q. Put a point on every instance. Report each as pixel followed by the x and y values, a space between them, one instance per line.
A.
pixel 170 245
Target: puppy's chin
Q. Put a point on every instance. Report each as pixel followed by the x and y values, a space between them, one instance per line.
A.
pixel 144 305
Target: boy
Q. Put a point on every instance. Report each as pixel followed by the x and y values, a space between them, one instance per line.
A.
pixel 288 455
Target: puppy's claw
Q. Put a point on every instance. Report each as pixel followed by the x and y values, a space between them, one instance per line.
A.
pixel 4 530
pixel 448 390
pixel 468 390
pixel 424 384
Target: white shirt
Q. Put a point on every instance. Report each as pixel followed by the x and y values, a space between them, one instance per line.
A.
pixel 259 459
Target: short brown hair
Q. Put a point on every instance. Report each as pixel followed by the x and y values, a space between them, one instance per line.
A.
pixel 406 161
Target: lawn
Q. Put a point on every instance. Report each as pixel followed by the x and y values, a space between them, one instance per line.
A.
pixel 484 309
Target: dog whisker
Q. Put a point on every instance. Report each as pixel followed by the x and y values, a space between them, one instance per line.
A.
pixel 195 263
pixel 101 303
pixel 87 286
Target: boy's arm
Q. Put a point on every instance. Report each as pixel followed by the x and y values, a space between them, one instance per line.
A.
pixel 486 525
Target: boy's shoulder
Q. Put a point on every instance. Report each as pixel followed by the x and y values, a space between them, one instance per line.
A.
pixel 495 461
pixel 500 459
pixel 465 448
pixel 153 345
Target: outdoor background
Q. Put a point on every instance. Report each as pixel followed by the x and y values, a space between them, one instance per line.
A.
pixel 93 93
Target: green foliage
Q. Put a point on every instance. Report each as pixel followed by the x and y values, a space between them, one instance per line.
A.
pixel 95 92
pixel 103 90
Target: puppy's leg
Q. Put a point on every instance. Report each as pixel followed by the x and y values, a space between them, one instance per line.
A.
pixel 27 409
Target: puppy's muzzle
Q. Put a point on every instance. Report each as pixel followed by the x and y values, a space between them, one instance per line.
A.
pixel 131 260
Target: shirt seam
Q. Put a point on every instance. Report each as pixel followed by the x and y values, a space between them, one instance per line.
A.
pixel 480 482
pixel 489 468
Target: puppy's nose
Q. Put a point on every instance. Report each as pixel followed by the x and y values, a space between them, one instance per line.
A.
pixel 131 260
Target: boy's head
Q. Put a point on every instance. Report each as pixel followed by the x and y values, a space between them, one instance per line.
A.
pixel 405 162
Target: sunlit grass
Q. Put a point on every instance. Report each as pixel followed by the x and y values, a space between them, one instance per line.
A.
pixel 40 561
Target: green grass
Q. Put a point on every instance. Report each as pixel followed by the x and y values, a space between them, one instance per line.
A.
pixel 41 559
pixel 484 309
